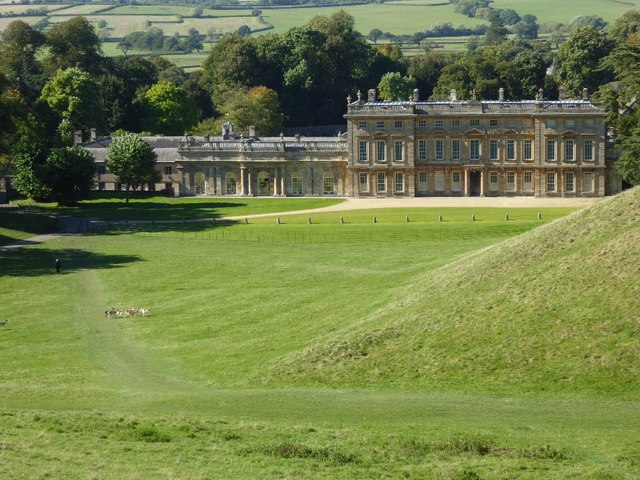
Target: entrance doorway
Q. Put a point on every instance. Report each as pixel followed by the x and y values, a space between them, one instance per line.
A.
pixel 474 183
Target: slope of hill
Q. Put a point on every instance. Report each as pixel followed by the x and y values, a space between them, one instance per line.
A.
pixel 556 309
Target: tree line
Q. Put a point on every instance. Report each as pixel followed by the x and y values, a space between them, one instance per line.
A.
pixel 56 83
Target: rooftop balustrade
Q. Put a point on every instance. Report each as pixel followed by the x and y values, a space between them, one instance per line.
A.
pixel 248 145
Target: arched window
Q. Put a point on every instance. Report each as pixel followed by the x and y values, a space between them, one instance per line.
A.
pixel 296 184
pixel 231 183
pixel 200 183
pixel 327 184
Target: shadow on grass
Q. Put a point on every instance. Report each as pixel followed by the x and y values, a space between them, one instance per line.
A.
pixel 161 227
pixel 26 262
pixel 148 210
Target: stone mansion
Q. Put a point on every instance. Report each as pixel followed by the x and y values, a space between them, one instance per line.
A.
pixel 410 148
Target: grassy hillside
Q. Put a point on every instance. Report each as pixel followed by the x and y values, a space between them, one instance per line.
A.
pixel 212 383
pixel 557 309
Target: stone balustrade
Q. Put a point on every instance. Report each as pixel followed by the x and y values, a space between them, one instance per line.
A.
pixel 264 146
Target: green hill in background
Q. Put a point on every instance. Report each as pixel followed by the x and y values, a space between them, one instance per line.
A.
pixel 556 309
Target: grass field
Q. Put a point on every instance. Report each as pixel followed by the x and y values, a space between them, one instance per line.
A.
pixel 553 11
pixel 263 357
pixel 107 206
pixel 388 17
pixel 18 225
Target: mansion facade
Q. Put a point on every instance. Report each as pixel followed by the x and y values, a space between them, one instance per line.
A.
pixel 407 148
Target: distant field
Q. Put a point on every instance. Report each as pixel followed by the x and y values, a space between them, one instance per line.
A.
pixel 83 9
pixel 120 25
pixel 17 8
pixel 564 11
pixel 388 17
pixel 220 25
pixel 176 9
pixel 4 21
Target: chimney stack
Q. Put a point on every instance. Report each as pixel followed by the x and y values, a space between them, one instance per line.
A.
pixel 77 137
pixel 585 94
pixel 94 135
pixel 453 95
pixel 501 94
pixel 416 94
pixel 252 131
pixel 372 95
pixel 562 93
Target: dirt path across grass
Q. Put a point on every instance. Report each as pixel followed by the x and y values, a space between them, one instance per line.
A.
pixel 439 202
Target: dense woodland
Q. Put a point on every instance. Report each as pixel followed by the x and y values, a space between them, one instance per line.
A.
pixel 57 82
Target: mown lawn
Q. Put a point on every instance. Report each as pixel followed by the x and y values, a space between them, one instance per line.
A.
pixel 186 391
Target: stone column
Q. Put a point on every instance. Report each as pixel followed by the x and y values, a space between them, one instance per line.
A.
pixel 466 182
pixel 482 183
pixel 242 172
pixel 275 182
pixel 249 190
pixel 282 191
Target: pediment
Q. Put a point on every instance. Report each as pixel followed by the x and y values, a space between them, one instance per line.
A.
pixel 569 133
pixel 474 131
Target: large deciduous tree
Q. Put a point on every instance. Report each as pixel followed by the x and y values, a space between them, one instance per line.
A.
pixel 257 106
pixel 394 86
pixel 20 45
pixel 132 161
pixel 579 60
pixel 69 174
pixel 76 97
pixel 168 110
pixel 232 63
pixel 628 164
pixel 74 43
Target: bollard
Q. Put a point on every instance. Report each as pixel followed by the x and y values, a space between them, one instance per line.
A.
pixel 375 220
pixel 406 219
pixel 341 219
pixel 539 216
pixel 506 216
pixel 278 220
pixel 439 218
pixel 473 217
pixel 246 220
pixel 309 221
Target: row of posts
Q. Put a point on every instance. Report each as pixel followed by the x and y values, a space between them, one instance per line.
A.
pixel 406 219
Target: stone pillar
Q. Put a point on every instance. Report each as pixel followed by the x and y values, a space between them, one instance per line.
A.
pixel 275 182
pixel 249 190
pixel 282 191
pixel 466 182
pixel 242 172
pixel 482 183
